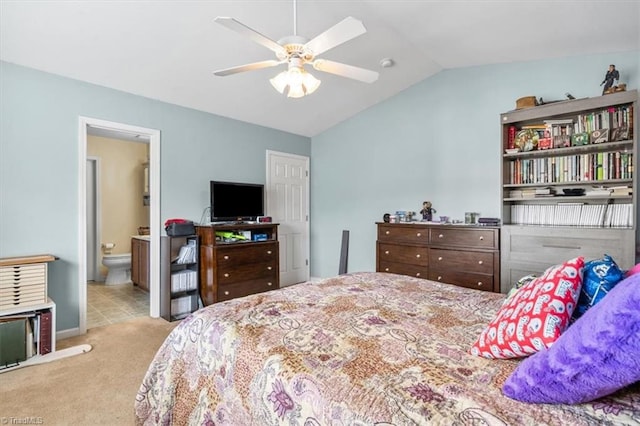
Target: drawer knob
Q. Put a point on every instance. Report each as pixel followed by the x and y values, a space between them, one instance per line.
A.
pixel 386 252
pixel 481 238
pixel 387 233
pixel 439 277
pixel 226 293
pixel 418 256
pixel 268 251
pixel 479 283
pixel 417 274
pixel 226 275
pixel 440 236
pixel 439 257
pixel 226 257
pixel 418 234
pixel 386 269
pixel 269 284
pixel 480 262
pixel 269 268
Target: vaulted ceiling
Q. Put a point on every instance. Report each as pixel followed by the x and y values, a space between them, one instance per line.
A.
pixel 168 50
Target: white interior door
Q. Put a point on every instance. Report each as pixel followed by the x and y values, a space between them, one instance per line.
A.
pixel 288 205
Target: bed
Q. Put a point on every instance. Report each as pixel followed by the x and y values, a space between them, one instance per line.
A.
pixel 357 349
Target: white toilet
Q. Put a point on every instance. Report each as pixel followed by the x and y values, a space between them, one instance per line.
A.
pixel 119 268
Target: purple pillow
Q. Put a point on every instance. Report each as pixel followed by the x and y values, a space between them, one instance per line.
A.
pixel 596 356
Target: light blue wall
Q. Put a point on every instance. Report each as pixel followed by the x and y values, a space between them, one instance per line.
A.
pixel 39 164
pixel 437 141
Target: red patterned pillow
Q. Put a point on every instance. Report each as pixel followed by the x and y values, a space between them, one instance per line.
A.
pixel 535 316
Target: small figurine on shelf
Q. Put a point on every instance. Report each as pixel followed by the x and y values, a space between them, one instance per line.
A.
pixel 611 75
pixel 427 211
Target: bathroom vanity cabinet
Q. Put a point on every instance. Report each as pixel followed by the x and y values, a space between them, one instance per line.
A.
pixel 140 258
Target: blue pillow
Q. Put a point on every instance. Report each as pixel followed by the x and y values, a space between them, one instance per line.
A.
pixel 600 276
pixel 598 355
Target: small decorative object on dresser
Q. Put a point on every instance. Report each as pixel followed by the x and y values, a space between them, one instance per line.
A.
pixel 427 211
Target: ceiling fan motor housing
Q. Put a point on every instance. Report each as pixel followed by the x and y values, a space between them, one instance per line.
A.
pixel 294 45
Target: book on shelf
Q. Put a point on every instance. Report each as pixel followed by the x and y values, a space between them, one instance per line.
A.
pixel 184 280
pixel 45 328
pixel 597 192
pixel 599 136
pixel 188 253
pixel 621 191
pixel 619 133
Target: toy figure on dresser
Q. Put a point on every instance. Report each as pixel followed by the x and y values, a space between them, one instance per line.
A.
pixel 427 211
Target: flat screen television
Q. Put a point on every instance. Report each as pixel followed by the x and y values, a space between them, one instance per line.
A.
pixel 235 201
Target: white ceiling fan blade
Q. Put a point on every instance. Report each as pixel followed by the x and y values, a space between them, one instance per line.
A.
pixel 241 28
pixel 341 32
pixel 248 67
pixel 344 70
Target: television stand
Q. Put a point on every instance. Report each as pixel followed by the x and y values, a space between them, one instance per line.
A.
pixel 230 269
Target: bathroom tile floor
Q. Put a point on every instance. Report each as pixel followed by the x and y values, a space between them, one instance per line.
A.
pixel 110 304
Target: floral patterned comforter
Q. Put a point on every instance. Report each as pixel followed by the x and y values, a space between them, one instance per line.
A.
pixel 357 349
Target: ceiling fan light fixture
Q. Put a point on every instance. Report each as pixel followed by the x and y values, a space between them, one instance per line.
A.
pixel 298 80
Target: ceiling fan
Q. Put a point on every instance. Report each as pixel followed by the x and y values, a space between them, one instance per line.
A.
pixel 297 51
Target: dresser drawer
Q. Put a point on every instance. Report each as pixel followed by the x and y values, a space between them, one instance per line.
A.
pixel 403 254
pixel 463 279
pixel 555 245
pixel 245 288
pixel 254 271
pixel 403 269
pixel 412 234
pixel 469 261
pixel 236 255
pixel 465 237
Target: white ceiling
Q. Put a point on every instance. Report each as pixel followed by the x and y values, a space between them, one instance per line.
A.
pixel 168 50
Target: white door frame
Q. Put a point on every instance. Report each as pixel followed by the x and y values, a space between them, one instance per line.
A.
pixel 154 183
pixel 97 217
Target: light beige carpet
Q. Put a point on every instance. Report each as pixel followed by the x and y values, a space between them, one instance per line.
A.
pixel 94 388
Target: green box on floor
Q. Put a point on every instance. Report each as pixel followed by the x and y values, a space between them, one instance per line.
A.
pixel 13 342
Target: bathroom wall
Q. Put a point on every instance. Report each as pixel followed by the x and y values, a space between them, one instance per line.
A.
pixel 121 189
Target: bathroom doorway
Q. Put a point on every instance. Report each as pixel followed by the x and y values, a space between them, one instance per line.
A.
pixel 116 212
pixel 90 239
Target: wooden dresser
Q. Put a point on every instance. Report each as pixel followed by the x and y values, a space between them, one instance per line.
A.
pixel 468 256
pixel 240 268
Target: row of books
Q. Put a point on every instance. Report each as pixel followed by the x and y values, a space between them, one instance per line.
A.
pixel 611 124
pixel 573 214
pixel 610 118
pixel 188 253
pixel 181 305
pixel 25 335
pixel 184 280
pixel 572 168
